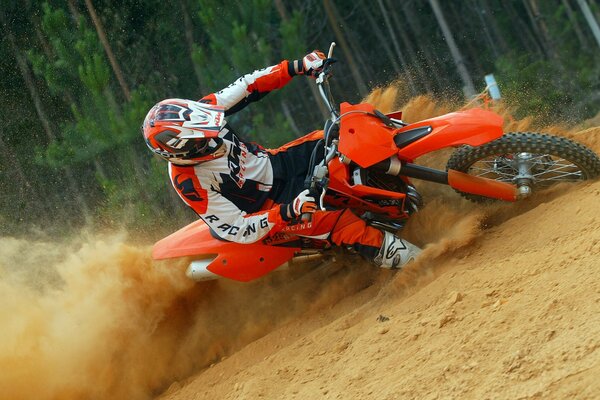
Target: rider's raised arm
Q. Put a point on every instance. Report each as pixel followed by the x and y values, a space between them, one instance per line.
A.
pixel 252 87
pixel 255 86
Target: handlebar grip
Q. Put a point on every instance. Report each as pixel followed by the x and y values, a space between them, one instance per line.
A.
pixel 330 52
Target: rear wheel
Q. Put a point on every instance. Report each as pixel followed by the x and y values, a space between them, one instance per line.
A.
pixel 531 161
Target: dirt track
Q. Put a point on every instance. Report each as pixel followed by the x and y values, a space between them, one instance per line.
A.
pixel 515 314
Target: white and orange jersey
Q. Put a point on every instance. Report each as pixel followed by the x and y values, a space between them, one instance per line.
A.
pixel 251 87
pixel 229 192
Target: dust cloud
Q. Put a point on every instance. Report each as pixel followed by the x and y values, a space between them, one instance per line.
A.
pixel 107 322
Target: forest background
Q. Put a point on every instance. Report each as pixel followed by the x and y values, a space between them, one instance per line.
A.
pixel 78 76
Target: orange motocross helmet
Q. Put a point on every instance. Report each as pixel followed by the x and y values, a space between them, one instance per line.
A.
pixel 184 132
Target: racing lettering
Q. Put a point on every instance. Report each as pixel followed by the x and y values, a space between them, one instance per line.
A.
pixel 235 157
pixel 224 227
pixel 211 218
pixel 230 229
pixel 264 223
pixel 249 229
pixel 298 227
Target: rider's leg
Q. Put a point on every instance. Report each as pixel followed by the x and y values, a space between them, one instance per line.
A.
pixel 345 229
pixel 384 249
pixel 395 252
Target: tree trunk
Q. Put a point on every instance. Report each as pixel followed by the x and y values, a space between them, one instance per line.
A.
pixel 281 9
pixel 576 27
pixel 596 7
pixel 488 17
pixel 534 25
pixel 383 41
pixel 537 20
pixel 290 118
pixel 357 51
pixel 45 46
pixel 468 88
pixel 111 57
pixel 468 47
pixel 589 17
pixel 49 54
pixel 333 18
pixel 189 38
pixel 15 165
pixel 74 11
pixel 386 18
pixel 421 74
pixel 412 19
pixel 29 82
pixel 486 29
pixel 528 38
pixel 311 87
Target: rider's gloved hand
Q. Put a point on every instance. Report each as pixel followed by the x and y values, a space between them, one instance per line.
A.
pixel 303 203
pixel 310 65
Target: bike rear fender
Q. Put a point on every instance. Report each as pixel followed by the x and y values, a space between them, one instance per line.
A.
pixel 366 140
pixel 240 262
pixel 473 127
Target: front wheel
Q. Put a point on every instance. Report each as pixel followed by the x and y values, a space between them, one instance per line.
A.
pixel 531 161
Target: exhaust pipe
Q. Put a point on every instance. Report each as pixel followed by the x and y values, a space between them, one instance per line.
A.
pixel 198 271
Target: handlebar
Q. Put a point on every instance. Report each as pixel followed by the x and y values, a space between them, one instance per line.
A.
pixel 325 92
pixel 318 181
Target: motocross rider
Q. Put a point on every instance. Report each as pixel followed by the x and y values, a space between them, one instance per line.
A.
pixel 244 192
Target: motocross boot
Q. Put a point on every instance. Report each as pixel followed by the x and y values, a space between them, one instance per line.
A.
pixel 395 252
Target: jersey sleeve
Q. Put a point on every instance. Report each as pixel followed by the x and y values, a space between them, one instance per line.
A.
pixel 225 218
pixel 232 224
pixel 251 87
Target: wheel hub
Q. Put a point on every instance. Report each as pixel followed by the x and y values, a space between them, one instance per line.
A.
pixel 523 163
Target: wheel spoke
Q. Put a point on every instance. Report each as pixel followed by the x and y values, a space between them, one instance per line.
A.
pixel 545 169
pixel 531 161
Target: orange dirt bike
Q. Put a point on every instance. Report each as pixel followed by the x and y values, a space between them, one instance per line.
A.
pixel 366 167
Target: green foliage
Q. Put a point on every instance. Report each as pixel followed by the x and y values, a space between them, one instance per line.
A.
pixel 292 36
pixel 531 86
pixel 103 133
pixel 58 72
pixel 550 89
pixel 93 70
pixel 255 28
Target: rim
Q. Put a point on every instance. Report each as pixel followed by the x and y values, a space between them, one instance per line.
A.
pixel 541 170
